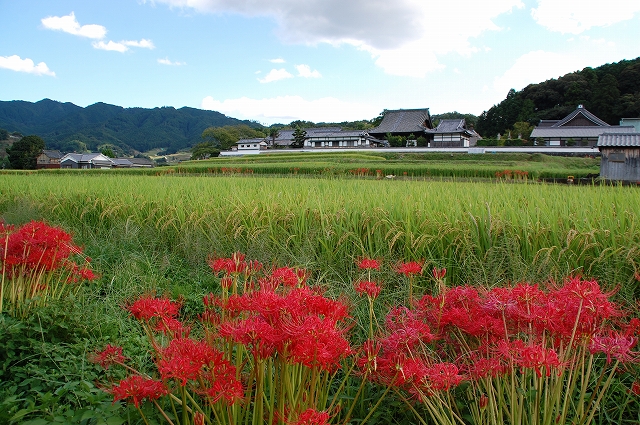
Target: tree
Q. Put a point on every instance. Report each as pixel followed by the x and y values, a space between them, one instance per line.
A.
pixel 522 130
pixel 377 120
pixel 4 134
pixel 23 153
pixel 299 136
pixel 204 150
pixel 108 152
pixel 226 137
pixel 274 133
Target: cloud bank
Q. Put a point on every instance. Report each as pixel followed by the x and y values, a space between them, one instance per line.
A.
pixel 401 36
pixel 15 63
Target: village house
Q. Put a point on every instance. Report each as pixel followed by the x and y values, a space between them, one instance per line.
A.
pixel 251 145
pixel 403 122
pixel 86 160
pixel 452 133
pixel 48 159
pixel 620 156
pixel 579 128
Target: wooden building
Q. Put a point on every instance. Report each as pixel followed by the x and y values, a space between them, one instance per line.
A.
pixel 48 159
pixel 452 133
pixel 403 122
pixel 620 156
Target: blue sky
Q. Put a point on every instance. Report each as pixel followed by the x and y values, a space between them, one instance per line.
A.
pixel 317 60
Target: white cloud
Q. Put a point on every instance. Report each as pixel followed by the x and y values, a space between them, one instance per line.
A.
pixel 402 36
pixel 166 61
pixel 277 60
pixel 306 72
pixel 275 75
pixel 284 109
pixel 69 24
pixel 144 43
pixel 111 46
pixel 575 17
pixel 15 63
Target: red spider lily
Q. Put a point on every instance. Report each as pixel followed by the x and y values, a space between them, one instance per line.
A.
pixel 439 274
pixel 37 246
pixel 635 388
pixel 369 264
pixel 147 308
pixel 410 268
pixel 312 417
pixel 614 345
pixel 530 356
pixel 235 264
pixel 138 388
pixel 287 276
pixel 368 288
pixel 183 359
pixel 443 376
pixel 109 356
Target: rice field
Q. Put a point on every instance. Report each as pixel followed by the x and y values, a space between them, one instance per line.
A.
pixel 483 233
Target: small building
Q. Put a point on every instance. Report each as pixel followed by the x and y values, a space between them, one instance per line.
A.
pixel 48 159
pixel 250 146
pixel 452 133
pixel 403 122
pixel 86 160
pixel 620 156
pixel 579 128
pixel 341 139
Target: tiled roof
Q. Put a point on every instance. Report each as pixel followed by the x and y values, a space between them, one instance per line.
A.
pixel 403 121
pixel 337 134
pixel 580 110
pixel 451 126
pixel 86 157
pixel 52 154
pixel 578 132
pixel 619 140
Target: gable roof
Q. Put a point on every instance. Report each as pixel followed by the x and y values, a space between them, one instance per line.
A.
pixel 52 154
pixel 96 158
pixel 619 140
pixel 578 132
pixel 581 112
pixel 404 121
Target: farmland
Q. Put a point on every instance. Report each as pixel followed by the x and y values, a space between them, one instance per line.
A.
pixel 153 232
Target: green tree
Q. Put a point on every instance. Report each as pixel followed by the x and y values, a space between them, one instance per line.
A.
pixel 377 120
pixel 23 153
pixel 274 133
pixel 204 150
pixel 299 136
pixel 107 152
pixel 226 137
pixel 522 130
pixel 4 134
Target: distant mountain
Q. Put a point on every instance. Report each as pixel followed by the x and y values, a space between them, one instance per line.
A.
pixel 130 129
pixel 610 91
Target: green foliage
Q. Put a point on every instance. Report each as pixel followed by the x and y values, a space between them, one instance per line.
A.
pixel 226 137
pixel 76 146
pixel 610 91
pixel 204 150
pixel 4 134
pixel 23 153
pixel 395 141
pixel 299 136
pixel 108 152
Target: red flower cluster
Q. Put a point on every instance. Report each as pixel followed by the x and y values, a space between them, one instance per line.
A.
pixel 368 288
pixel 109 356
pixel 410 268
pixel 137 388
pixel 159 313
pixel 282 314
pixel 488 333
pixel 37 247
pixel 369 264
